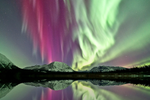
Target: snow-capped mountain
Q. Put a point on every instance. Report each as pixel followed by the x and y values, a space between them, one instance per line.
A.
pixel 5 63
pixel 54 67
pixel 105 69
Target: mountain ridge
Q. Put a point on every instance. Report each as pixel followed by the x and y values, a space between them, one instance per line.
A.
pixel 105 69
pixel 5 63
pixel 54 67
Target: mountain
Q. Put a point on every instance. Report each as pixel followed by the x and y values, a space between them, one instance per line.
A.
pixel 53 84
pixel 54 67
pixel 5 63
pixel 105 69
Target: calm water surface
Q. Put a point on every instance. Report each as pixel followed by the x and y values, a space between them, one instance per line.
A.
pixel 80 90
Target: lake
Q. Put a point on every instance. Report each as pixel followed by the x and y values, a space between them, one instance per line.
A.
pixel 80 90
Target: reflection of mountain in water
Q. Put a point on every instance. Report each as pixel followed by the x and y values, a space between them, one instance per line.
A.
pixel 105 69
pixel 106 82
pixel 5 88
pixel 53 84
pixel 62 84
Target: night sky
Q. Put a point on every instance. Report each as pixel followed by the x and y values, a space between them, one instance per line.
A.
pixel 81 33
pixel 13 42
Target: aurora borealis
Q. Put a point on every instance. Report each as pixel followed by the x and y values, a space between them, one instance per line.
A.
pixel 88 33
pixel 81 33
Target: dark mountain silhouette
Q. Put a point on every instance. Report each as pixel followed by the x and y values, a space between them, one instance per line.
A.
pixel 141 70
pixel 106 69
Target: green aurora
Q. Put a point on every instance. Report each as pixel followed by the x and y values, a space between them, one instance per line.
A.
pixel 111 29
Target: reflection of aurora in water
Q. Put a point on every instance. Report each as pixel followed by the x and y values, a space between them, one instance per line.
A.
pixel 86 91
pixel 84 33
